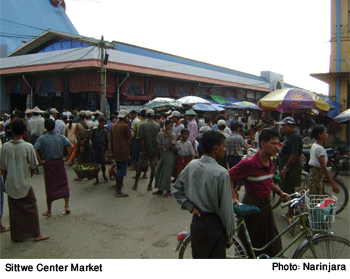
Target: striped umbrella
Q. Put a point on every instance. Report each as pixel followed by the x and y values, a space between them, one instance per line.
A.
pixel 289 100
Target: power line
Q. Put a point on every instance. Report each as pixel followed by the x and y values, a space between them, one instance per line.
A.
pixel 22 24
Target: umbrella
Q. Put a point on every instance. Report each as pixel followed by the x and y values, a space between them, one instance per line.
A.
pixel 160 106
pixel 189 100
pixel 335 107
pixel 245 105
pixel 205 107
pixel 162 99
pixel 291 100
pixel 344 116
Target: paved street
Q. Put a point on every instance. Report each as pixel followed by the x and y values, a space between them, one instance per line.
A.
pixel 102 226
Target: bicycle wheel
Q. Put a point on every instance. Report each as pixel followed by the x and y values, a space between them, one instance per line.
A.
pixel 343 196
pixel 326 247
pixel 185 251
pixel 236 251
pixel 334 171
pixel 275 198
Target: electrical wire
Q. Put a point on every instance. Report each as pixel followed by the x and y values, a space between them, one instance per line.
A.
pixel 6 20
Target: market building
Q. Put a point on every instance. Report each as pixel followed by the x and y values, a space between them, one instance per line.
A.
pixel 57 67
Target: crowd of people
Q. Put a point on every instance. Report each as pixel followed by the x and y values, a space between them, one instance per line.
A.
pixel 167 144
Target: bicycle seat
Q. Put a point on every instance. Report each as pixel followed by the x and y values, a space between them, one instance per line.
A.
pixel 243 210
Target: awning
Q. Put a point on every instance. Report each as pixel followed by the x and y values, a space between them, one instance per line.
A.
pixel 329 77
pixel 218 99
pixel 335 107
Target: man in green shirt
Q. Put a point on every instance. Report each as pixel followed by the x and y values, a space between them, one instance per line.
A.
pixel 203 188
pixel 147 133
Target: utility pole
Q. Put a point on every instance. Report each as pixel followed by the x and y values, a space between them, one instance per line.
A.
pixel 103 78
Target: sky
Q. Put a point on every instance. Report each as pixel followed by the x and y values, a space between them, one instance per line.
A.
pixel 287 37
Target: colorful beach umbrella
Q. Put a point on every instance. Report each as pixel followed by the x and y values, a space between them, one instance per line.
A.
pixel 289 100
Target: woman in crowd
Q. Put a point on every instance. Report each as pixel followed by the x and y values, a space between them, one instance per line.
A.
pixel 166 143
pixel 99 140
pixel 70 134
pixel 318 162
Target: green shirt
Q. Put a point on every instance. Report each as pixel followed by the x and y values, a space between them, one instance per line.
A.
pixel 18 158
pixel 205 184
pixel 148 132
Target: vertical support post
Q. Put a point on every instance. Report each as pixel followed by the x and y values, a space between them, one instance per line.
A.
pixel 338 52
pixel 103 78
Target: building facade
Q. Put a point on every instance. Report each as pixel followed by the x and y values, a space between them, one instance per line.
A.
pixel 338 76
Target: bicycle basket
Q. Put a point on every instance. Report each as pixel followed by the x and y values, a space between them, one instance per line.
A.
pixel 322 211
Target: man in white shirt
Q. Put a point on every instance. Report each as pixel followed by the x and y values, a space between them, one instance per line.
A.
pixel 60 126
pixel 178 126
pixel 36 125
pixel 133 117
pixel 66 112
pixel 88 120
pixel 53 113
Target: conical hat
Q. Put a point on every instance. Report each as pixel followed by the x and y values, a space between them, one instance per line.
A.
pixel 37 110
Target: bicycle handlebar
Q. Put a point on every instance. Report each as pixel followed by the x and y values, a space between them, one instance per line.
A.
pixel 296 200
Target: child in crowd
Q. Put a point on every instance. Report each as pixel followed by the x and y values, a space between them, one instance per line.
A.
pixel 185 151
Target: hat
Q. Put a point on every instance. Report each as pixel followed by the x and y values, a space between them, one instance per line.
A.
pixel 190 112
pixel 122 113
pixel 37 110
pixel 150 112
pixel 175 113
pixel 53 110
pixel 97 111
pixel 7 114
pixel 88 113
pixel 221 122
pixel 28 111
pixel 82 112
pixel 287 120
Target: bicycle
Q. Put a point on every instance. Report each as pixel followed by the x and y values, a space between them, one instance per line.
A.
pixel 342 196
pixel 318 245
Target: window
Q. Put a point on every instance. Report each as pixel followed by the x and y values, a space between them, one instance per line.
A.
pixel 161 91
pixel 182 92
pixel 201 93
pixel 134 88
pixel 46 87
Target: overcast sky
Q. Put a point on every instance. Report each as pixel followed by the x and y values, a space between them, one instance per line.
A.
pixel 283 36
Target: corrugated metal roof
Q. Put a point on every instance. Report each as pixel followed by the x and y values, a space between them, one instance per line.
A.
pixel 144 65
pixel 180 60
pixel 23 20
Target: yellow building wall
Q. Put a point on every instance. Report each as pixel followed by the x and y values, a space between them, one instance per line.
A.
pixel 344 55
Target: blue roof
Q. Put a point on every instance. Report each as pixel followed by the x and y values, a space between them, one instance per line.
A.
pixel 176 59
pixel 23 20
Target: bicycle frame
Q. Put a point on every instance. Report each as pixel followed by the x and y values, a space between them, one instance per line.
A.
pixel 305 232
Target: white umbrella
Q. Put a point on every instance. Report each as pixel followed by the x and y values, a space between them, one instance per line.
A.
pixel 190 100
pixel 161 99
pixel 342 117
